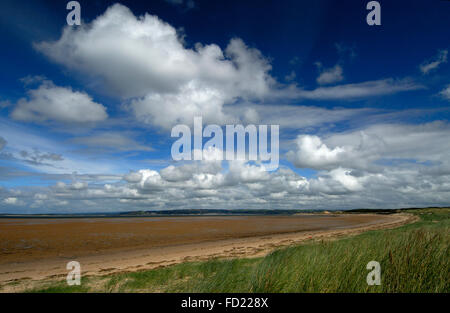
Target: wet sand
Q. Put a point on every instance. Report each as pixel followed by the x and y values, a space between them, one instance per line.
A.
pixel 35 249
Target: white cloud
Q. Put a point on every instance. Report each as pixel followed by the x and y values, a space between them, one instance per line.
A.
pixel 330 75
pixel 133 177
pixel 359 90
pixel 61 186
pixel 167 110
pixel 246 173
pixel 78 185
pixel 176 174
pixel 11 201
pixel 207 181
pixel 144 59
pixel 313 153
pixel 346 179
pixel 53 103
pixel 362 149
pixel 422 142
pixel 244 185
pixel 111 140
pixel 446 92
pixel 162 82
pixel 294 116
pixel 441 58
pixel 151 180
pixel 186 172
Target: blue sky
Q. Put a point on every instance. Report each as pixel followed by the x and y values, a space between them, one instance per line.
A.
pixel 86 111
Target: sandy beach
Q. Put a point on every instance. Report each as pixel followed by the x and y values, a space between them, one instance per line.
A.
pixel 39 249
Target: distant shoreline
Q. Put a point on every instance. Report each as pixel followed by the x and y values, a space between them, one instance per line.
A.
pixel 208 212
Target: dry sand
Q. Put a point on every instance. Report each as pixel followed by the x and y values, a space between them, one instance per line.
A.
pixel 39 249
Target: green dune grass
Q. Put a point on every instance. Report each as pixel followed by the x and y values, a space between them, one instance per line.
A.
pixel 413 258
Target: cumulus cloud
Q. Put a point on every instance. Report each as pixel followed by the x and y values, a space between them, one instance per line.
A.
pixel 330 75
pixel 144 59
pixel 429 66
pixel 187 171
pixel 61 104
pixel 422 142
pixel 374 147
pixel 345 177
pixel 246 186
pixel 133 177
pixel 246 173
pixel 388 165
pixel 62 186
pixel 312 152
pixel 175 174
pixel 11 201
pixel 207 175
pixel 382 165
pixel 167 110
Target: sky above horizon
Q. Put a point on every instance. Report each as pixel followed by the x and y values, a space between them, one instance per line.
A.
pixel 86 111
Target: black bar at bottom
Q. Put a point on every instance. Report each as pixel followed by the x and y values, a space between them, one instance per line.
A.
pixel 210 302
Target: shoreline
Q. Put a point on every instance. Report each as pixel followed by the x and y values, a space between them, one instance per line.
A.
pixel 19 276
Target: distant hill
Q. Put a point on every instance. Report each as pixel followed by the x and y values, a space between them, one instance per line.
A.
pixel 192 212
